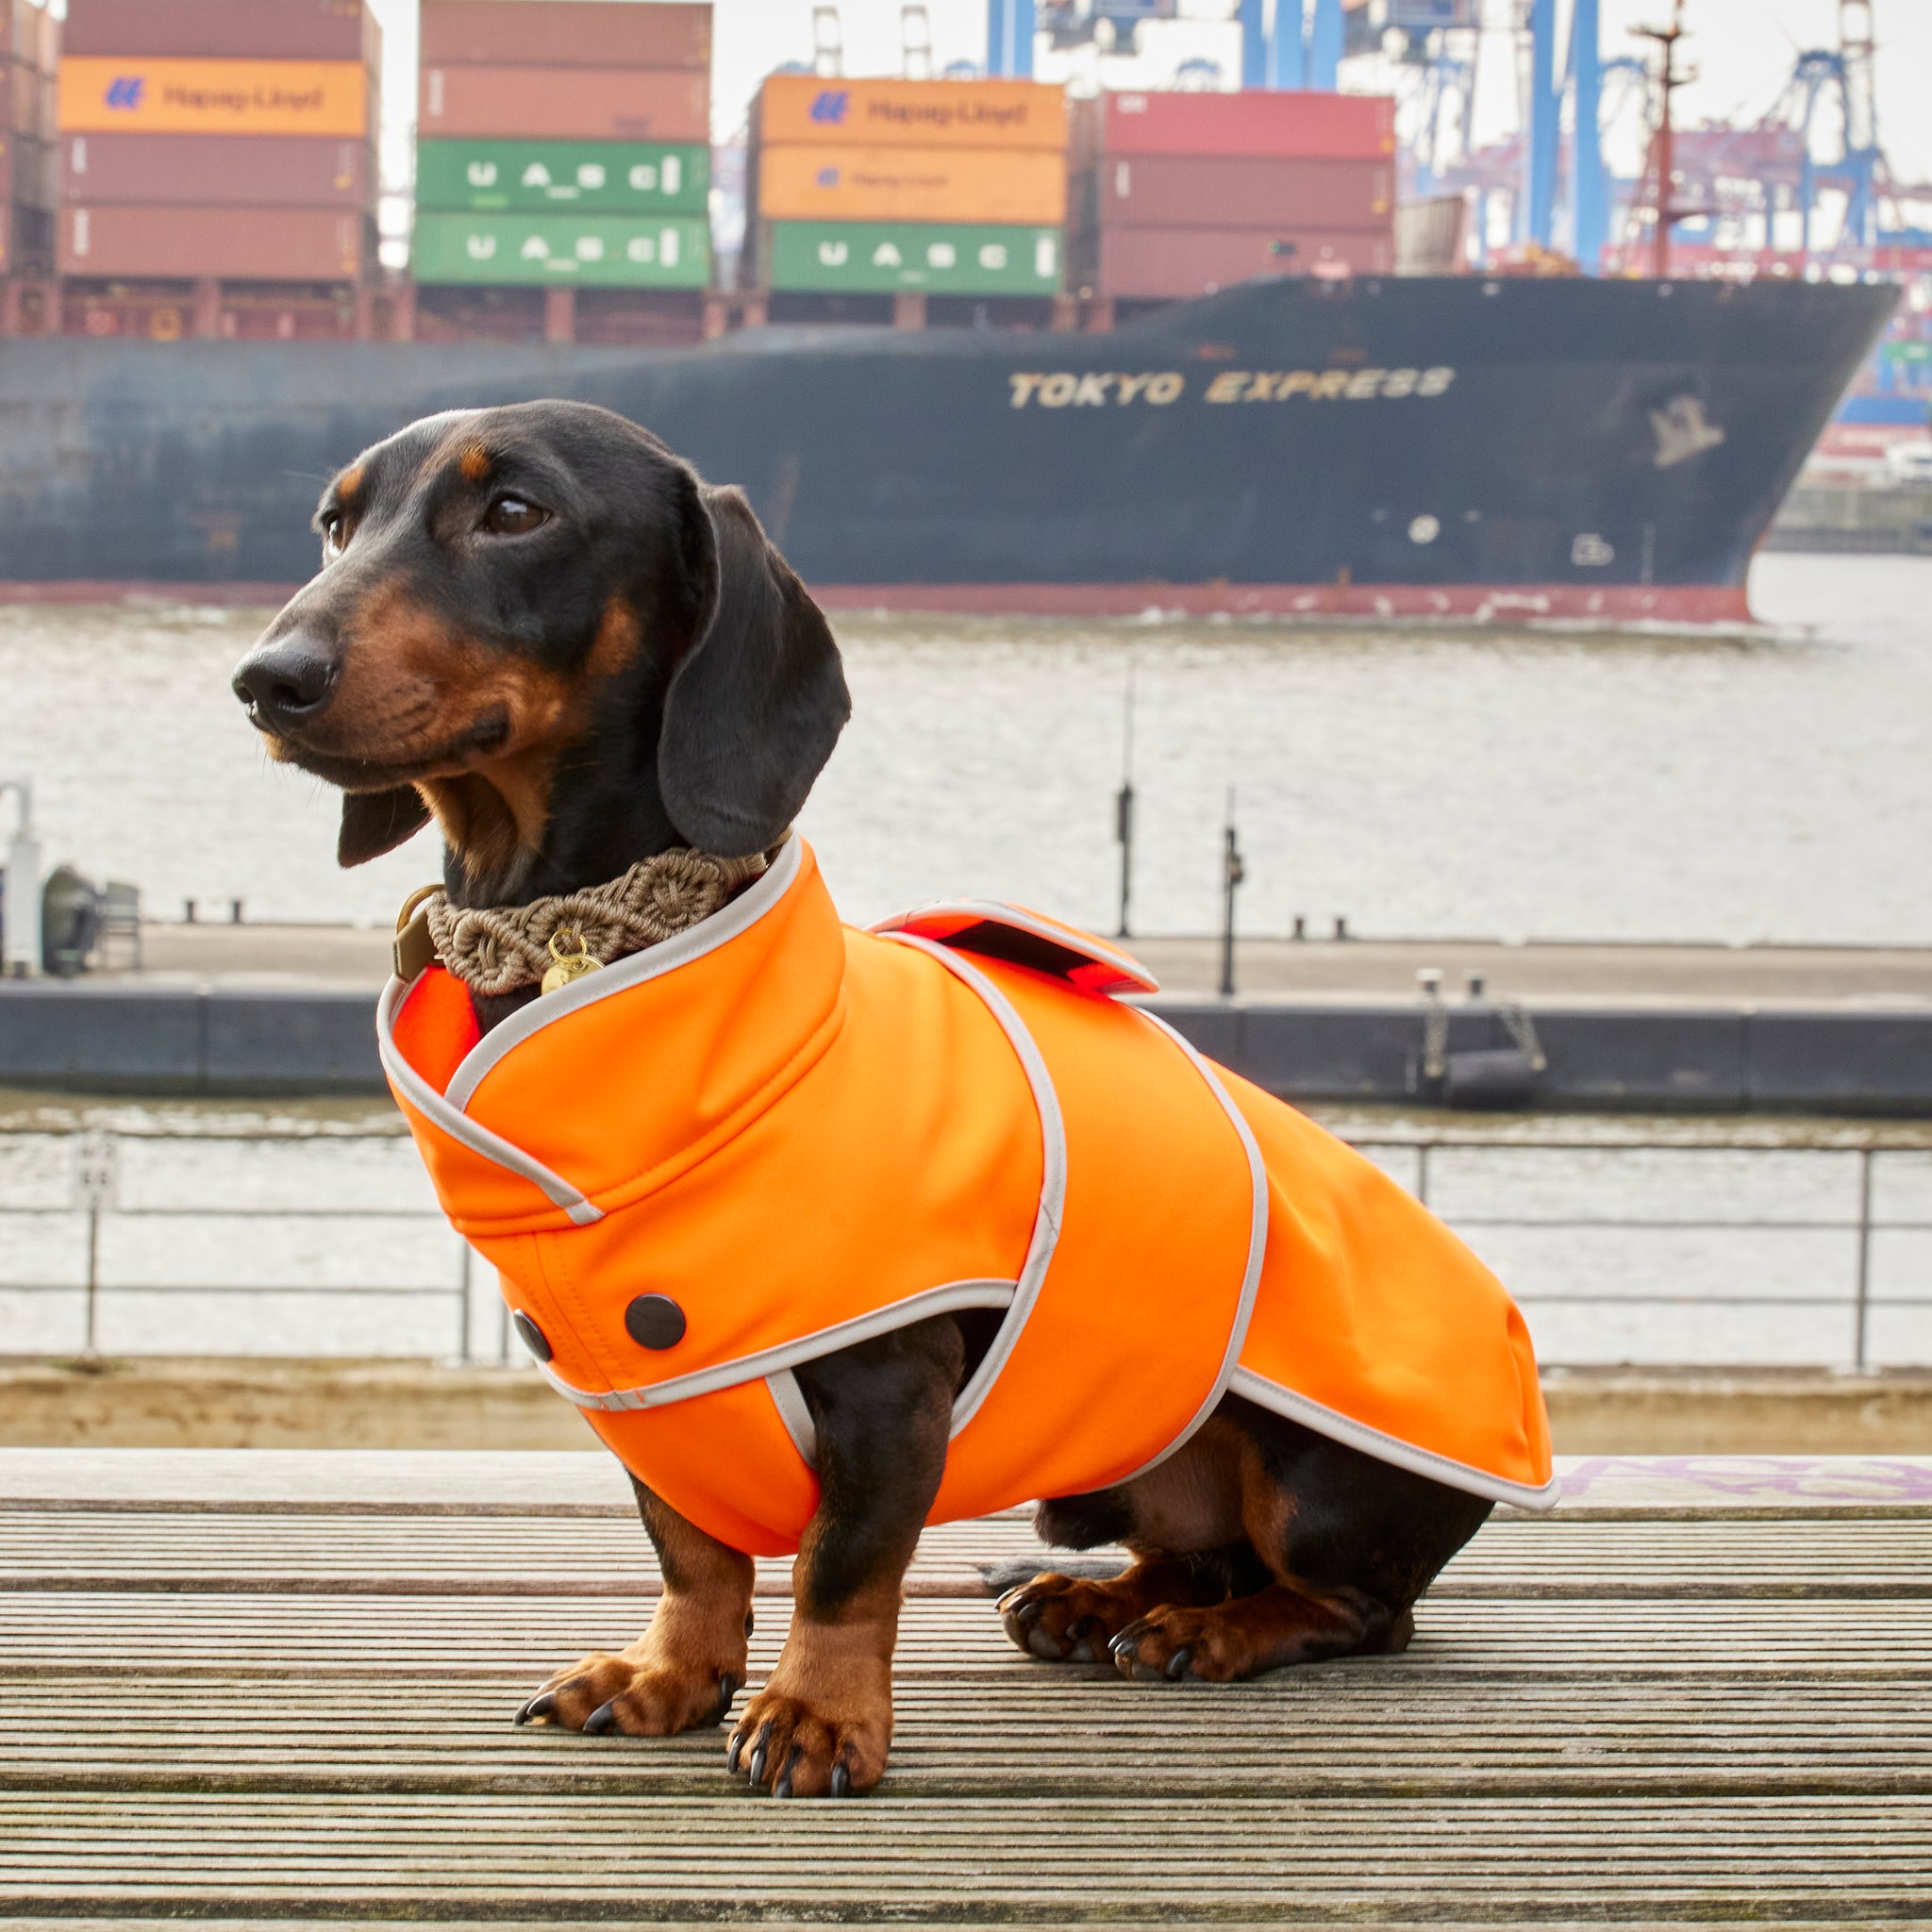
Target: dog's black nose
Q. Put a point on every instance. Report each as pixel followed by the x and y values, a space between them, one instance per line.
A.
pixel 284 684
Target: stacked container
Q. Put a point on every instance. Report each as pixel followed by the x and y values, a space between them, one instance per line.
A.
pixel 908 187
pixel 29 52
pixel 563 145
pixel 1179 195
pixel 227 145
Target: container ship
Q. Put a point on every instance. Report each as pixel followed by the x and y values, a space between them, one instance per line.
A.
pixel 987 349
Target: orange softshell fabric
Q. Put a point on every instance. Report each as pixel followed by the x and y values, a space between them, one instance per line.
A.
pixel 803 1135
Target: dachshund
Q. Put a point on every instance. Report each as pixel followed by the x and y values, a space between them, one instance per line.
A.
pixel 537 626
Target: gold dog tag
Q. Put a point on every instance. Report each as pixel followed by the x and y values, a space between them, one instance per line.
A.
pixel 569 966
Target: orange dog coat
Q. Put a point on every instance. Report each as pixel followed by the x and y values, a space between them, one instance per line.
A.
pixel 773 1136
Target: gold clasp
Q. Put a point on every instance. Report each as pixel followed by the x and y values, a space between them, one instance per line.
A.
pixel 569 966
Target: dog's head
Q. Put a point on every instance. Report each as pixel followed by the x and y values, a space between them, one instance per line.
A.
pixel 538 625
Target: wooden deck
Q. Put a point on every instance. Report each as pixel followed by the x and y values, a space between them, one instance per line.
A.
pixel 249 1685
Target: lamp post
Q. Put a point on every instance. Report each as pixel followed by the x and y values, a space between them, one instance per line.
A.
pixel 20 942
pixel 1232 872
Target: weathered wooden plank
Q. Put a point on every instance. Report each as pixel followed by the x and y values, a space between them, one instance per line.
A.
pixel 387 1556
pixel 1267 1859
pixel 1325 1733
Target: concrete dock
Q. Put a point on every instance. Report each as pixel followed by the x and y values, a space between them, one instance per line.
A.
pixel 265 1009
pixel 252 1687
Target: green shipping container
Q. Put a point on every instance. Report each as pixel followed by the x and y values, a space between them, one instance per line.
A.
pixel 592 251
pixel 593 176
pixel 943 259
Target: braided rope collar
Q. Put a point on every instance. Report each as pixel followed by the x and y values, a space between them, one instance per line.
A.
pixel 498 949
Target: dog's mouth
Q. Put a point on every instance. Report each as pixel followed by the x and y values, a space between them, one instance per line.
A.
pixel 482 739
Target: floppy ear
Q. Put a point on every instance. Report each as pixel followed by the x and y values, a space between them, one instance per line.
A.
pixel 377 821
pixel 758 699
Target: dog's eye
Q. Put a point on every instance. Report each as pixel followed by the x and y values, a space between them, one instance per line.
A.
pixel 332 537
pixel 510 516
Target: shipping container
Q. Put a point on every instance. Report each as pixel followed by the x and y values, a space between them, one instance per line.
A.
pixel 565 103
pixel 1175 263
pixel 27 240
pixel 19 98
pixel 804 184
pixel 1239 191
pixel 20 30
pixel 143 95
pixel 912 114
pixel 290 169
pixel 609 178
pixel 26 174
pixel 227 29
pixel 575 33
pixel 885 256
pixel 239 243
pixel 1288 127
pixel 596 251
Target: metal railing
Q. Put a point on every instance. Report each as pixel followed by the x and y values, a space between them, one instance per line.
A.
pixel 94 1196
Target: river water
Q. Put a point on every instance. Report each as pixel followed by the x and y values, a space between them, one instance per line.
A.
pixel 1419 782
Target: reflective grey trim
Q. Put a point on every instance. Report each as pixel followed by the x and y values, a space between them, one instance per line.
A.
pixel 788 1398
pixel 769 1361
pixel 1000 913
pixel 1342 1429
pixel 706 936
pixel 1053 1173
pixel 1258 1241
pixel 458 1125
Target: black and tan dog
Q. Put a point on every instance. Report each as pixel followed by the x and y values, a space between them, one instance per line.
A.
pixel 538 628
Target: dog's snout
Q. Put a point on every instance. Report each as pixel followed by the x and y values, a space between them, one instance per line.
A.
pixel 285 683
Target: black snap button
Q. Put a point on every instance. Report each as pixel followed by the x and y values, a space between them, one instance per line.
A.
pixel 532 1337
pixel 654 1321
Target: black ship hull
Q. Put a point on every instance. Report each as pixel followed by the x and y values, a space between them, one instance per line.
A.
pixel 1607 450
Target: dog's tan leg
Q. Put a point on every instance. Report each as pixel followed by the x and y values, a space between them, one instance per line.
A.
pixel 1072 1619
pixel 822 1723
pixel 687 1667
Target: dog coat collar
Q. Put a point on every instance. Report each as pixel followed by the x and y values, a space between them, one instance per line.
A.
pixel 773 1136
pixel 497 949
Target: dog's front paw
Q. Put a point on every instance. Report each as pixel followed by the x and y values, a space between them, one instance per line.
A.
pixel 799 1747
pixel 1068 1620
pixel 635 1691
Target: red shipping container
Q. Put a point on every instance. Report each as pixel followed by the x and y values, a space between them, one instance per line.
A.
pixel 1288 126
pixel 19 98
pixel 1240 192
pixel 565 103
pixel 225 30
pixel 258 244
pixel 20 28
pixel 1180 262
pixel 25 172
pixel 572 33
pixel 291 170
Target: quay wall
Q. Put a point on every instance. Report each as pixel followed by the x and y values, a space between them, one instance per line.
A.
pixel 1709 1059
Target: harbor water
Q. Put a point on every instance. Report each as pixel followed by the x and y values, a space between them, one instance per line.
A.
pixel 1417 782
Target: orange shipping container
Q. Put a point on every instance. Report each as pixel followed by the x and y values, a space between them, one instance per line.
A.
pixel 260 245
pixel 143 95
pixel 913 113
pixel 565 103
pixel 812 184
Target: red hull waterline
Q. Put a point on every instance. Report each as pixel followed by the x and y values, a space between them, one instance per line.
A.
pixel 1610 605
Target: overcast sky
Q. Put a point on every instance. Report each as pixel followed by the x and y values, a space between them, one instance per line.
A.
pixel 1742 50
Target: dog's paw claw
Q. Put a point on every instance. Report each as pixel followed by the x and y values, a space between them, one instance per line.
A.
pixel 634 1694
pixel 793 1748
